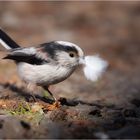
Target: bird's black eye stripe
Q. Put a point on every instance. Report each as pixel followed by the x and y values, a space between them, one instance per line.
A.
pixel 70 49
pixel 52 47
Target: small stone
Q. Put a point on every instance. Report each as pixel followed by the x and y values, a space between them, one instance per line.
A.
pixel 129 113
pixel 136 102
pixel 25 124
pixel 95 112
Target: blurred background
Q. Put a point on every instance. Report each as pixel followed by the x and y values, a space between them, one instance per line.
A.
pixel 110 29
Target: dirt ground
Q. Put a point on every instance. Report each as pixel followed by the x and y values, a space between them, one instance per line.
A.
pixel 108 108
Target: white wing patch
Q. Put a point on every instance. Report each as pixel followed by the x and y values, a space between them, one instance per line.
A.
pixel 94 67
pixel 26 51
pixel 4 44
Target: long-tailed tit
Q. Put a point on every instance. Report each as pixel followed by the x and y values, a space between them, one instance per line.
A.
pixel 50 63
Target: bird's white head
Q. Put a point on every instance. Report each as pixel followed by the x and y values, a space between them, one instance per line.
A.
pixel 71 54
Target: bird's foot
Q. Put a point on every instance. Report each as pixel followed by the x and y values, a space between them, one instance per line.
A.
pixel 50 96
pixel 53 106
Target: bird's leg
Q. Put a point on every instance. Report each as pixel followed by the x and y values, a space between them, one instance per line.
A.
pixel 46 88
pixel 56 104
pixel 51 95
pixel 31 88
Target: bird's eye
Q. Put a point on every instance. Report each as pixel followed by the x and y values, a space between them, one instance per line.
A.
pixel 71 54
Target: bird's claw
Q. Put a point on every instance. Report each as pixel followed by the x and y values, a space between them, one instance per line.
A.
pixel 53 106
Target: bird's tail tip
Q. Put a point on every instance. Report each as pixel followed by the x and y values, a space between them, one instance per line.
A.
pixel 6 41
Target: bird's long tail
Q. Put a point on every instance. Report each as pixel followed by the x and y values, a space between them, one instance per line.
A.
pixel 7 42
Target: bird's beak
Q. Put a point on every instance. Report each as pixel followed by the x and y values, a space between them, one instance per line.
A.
pixel 82 60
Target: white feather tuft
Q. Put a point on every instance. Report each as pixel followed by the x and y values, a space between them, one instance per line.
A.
pixel 94 67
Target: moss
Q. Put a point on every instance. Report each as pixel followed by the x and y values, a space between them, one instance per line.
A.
pixel 21 109
pixel 25 112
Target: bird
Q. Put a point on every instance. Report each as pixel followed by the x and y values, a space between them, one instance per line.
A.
pixel 50 63
pixel 45 64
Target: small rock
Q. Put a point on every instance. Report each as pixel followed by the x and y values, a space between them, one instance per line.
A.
pixel 67 102
pixel 25 125
pixel 129 113
pixel 136 102
pixel 95 112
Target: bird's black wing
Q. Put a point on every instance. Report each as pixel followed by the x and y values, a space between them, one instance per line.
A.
pixel 29 55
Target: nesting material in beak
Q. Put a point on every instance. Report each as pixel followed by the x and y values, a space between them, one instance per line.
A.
pixel 94 67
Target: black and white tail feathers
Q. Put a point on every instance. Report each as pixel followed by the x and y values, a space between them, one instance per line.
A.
pixel 7 42
pixel 18 54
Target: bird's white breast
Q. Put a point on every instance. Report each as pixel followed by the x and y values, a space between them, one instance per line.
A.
pixel 43 74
